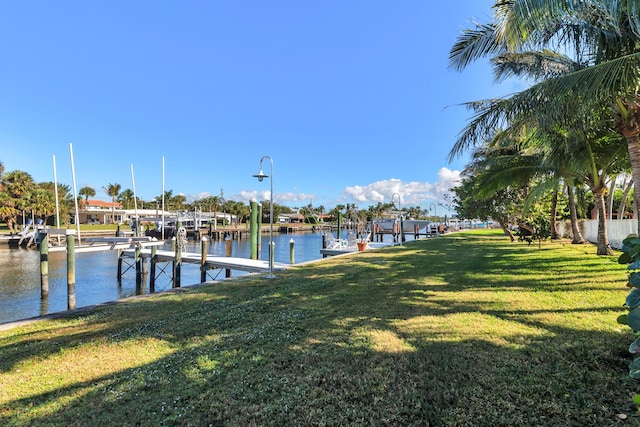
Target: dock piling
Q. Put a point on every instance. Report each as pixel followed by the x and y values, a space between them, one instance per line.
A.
pixel 176 263
pixel 292 258
pixel 227 242
pixel 152 278
pixel 71 273
pixel 203 260
pixel 44 266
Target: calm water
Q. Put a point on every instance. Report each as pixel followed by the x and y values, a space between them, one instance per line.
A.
pixel 96 280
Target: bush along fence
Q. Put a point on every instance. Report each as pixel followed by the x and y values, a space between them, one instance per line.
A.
pixel 631 256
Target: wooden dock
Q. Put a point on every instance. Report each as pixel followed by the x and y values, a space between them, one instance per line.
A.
pixel 210 262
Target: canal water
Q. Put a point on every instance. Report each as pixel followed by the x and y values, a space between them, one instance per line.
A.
pixel 96 274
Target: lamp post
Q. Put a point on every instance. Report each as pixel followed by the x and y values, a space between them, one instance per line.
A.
pixel 261 175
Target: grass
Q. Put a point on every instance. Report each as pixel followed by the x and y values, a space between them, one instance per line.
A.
pixel 467 329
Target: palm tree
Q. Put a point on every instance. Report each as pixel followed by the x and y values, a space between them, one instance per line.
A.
pixel 126 198
pixel 43 202
pixel 112 191
pixel 604 35
pixel 18 185
pixel 8 211
pixel 87 192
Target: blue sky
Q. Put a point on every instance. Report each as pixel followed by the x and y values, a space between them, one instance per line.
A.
pixel 353 100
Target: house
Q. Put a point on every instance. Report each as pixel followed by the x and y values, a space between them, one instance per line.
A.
pixel 98 212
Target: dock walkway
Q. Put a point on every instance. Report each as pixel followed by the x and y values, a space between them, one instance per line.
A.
pixel 211 262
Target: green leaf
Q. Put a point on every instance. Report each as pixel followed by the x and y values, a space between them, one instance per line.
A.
pixel 622 319
pixel 636 399
pixel 634 319
pixel 634 369
pixel 628 239
pixel 634 279
pixel 634 347
pixel 635 265
pixel 624 258
pixel 633 299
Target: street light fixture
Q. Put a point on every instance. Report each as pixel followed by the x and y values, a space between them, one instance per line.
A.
pixel 261 175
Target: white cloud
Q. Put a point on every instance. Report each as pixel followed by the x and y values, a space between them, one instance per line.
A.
pixel 411 193
pixel 280 198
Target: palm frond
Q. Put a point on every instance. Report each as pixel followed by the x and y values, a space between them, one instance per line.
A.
pixel 536 65
pixel 474 44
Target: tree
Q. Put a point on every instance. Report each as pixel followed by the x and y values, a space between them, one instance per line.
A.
pixel 87 192
pixel 126 199
pixel 18 185
pixel 8 211
pixel 43 202
pixel 503 206
pixel 112 190
pixel 604 35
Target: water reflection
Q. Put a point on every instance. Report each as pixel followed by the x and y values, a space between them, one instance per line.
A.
pixel 96 274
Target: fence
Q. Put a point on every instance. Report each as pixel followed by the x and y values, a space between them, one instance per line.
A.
pixel 617 230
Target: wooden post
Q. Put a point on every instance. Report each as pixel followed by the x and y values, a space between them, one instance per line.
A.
pixel 145 268
pixel 227 242
pixel 203 260
pixel 152 278
pixel 44 266
pixel 176 264
pixel 138 262
pixel 259 237
pixel 71 273
pixel 254 234
pixel 292 258
pixel 119 265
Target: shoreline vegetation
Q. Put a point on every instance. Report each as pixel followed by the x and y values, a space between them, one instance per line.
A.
pixel 464 329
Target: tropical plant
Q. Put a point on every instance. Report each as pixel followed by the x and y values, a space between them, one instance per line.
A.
pixel 605 37
pixel 8 211
pixel 87 192
pixel 126 199
pixel 18 185
pixel 631 256
pixel 112 191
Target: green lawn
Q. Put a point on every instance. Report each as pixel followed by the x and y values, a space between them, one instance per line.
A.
pixel 463 330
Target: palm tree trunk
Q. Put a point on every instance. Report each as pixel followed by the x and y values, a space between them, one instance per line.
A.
pixel 603 240
pixel 554 213
pixel 505 227
pixel 630 130
pixel 623 202
pixel 612 190
pixel 575 230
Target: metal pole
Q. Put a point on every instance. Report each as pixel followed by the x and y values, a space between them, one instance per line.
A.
pixel 55 185
pixel 75 194
pixel 135 204
pixel 261 175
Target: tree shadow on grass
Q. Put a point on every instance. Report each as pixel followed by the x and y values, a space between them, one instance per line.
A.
pixel 358 341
